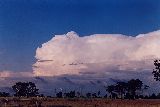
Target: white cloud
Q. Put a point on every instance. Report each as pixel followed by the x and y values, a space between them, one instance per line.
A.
pixel 87 60
pixel 99 54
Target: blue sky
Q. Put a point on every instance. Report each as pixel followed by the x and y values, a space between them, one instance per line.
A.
pixel 26 24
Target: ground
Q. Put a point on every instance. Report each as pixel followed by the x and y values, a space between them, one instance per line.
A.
pixel 76 102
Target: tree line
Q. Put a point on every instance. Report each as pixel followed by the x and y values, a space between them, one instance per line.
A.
pixel 132 89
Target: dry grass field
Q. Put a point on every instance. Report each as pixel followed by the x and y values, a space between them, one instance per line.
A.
pixel 55 102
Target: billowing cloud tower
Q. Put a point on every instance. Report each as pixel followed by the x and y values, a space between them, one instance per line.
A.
pixel 98 54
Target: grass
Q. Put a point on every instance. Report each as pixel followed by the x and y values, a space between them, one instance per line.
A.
pixel 76 102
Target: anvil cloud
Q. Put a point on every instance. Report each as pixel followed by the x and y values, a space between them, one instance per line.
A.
pixel 97 54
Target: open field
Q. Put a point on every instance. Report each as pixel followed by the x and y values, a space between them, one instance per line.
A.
pixel 55 102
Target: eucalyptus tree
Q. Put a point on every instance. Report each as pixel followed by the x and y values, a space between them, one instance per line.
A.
pixel 156 70
pixel 27 89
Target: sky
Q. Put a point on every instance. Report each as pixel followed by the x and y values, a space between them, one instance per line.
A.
pixel 28 42
pixel 26 24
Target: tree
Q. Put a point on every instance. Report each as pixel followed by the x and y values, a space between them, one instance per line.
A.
pixel 4 94
pixel 133 86
pixel 59 95
pixel 71 94
pixel 98 93
pixel 127 90
pixel 158 96
pixel 156 70
pixel 110 89
pixel 78 94
pixel 25 89
pixel 88 95
pixel 153 96
pixel 94 95
pixel 120 88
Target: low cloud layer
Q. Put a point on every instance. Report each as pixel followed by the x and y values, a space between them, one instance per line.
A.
pixel 97 55
pixel 4 74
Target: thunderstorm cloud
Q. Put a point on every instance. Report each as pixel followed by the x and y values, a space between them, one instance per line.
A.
pixel 91 62
pixel 97 55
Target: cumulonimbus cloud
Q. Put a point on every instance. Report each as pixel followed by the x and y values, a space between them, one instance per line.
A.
pixel 97 54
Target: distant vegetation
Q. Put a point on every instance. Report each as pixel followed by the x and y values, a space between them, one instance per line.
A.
pixel 132 89
pixel 127 90
pixel 156 70
pixel 27 89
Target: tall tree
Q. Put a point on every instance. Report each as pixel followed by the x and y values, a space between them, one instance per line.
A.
pixel 156 70
pixel 120 88
pixel 25 89
pixel 126 89
pixel 133 86
pixel 110 89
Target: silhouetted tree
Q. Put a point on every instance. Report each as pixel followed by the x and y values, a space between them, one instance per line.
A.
pixel 110 89
pixel 114 95
pixel 134 85
pixel 140 97
pixel 78 94
pixel 4 94
pixel 120 88
pixel 41 95
pixel 158 96
pixel 156 70
pixel 94 95
pixel 59 95
pixel 128 96
pixel 106 96
pixel 98 93
pixel 71 94
pixel 25 89
pixel 145 87
pixel 153 96
pixel 88 95
pixel 146 97
pixel 127 90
